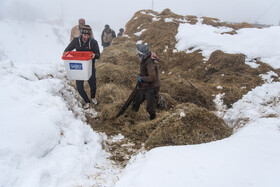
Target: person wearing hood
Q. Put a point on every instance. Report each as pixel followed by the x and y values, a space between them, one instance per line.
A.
pixel 107 36
pixel 149 79
pixel 86 43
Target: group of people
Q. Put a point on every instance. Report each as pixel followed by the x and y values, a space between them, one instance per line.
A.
pixel 81 39
pixel 107 36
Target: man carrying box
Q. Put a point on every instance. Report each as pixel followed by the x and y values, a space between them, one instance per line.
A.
pixel 86 43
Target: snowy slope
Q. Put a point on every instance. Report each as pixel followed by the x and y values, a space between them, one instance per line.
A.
pixel 253 42
pixel 250 157
pixel 42 142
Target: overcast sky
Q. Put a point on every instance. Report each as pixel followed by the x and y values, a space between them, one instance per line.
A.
pixel 118 12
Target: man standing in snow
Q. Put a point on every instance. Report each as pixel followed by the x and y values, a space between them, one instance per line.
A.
pixel 107 36
pixel 76 30
pixel 149 78
pixel 86 43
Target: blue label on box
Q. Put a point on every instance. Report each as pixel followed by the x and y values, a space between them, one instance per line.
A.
pixel 76 66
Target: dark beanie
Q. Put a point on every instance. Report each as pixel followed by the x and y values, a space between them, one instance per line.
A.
pixel 86 29
pixel 143 51
pixel 142 48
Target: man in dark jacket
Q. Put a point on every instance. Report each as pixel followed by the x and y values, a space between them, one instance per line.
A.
pixel 86 43
pixel 107 36
pixel 120 32
pixel 149 78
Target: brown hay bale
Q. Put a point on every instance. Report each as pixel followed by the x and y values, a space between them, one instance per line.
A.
pixel 108 123
pixel 110 73
pixel 233 32
pixel 110 93
pixel 221 60
pixel 191 19
pixel 142 130
pixel 124 44
pixel 183 91
pixel 122 52
pixel 160 35
pixel 188 124
pixel 215 22
pixel 110 110
pixel 165 101
pixel 166 13
pixel 231 73
pixel 140 20
pixel 241 25
pixel 112 98
pixel 184 63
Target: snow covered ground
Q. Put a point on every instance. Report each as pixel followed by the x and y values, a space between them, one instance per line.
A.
pixel 250 157
pixel 253 42
pixel 44 143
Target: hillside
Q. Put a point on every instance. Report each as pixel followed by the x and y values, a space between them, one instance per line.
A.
pixel 189 85
pixel 48 138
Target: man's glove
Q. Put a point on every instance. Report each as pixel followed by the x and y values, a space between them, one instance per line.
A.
pixel 139 78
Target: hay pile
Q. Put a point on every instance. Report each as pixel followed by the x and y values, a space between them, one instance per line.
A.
pixel 217 23
pixel 187 124
pixel 188 84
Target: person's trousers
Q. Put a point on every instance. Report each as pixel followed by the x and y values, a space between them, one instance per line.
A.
pixel 151 96
pixel 92 85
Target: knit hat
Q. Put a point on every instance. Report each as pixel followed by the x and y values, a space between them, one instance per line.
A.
pixel 143 51
pixel 86 29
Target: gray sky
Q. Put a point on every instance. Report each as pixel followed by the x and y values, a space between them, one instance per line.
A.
pixel 117 13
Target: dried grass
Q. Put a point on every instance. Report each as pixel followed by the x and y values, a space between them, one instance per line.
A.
pixel 188 124
pixel 188 85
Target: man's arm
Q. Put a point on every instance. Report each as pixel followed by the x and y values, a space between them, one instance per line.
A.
pixel 113 34
pixel 151 72
pixel 95 49
pixel 71 45
pixel 102 42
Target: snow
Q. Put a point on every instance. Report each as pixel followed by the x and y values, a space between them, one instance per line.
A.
pixel 252 42
pixel 156 19
pixel 221 108
pixel 44 143
pixel 261 102
pixel 248 158
pixel 140 32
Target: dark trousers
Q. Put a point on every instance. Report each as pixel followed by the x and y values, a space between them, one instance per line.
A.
pixel 151 95
pixel 92 85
